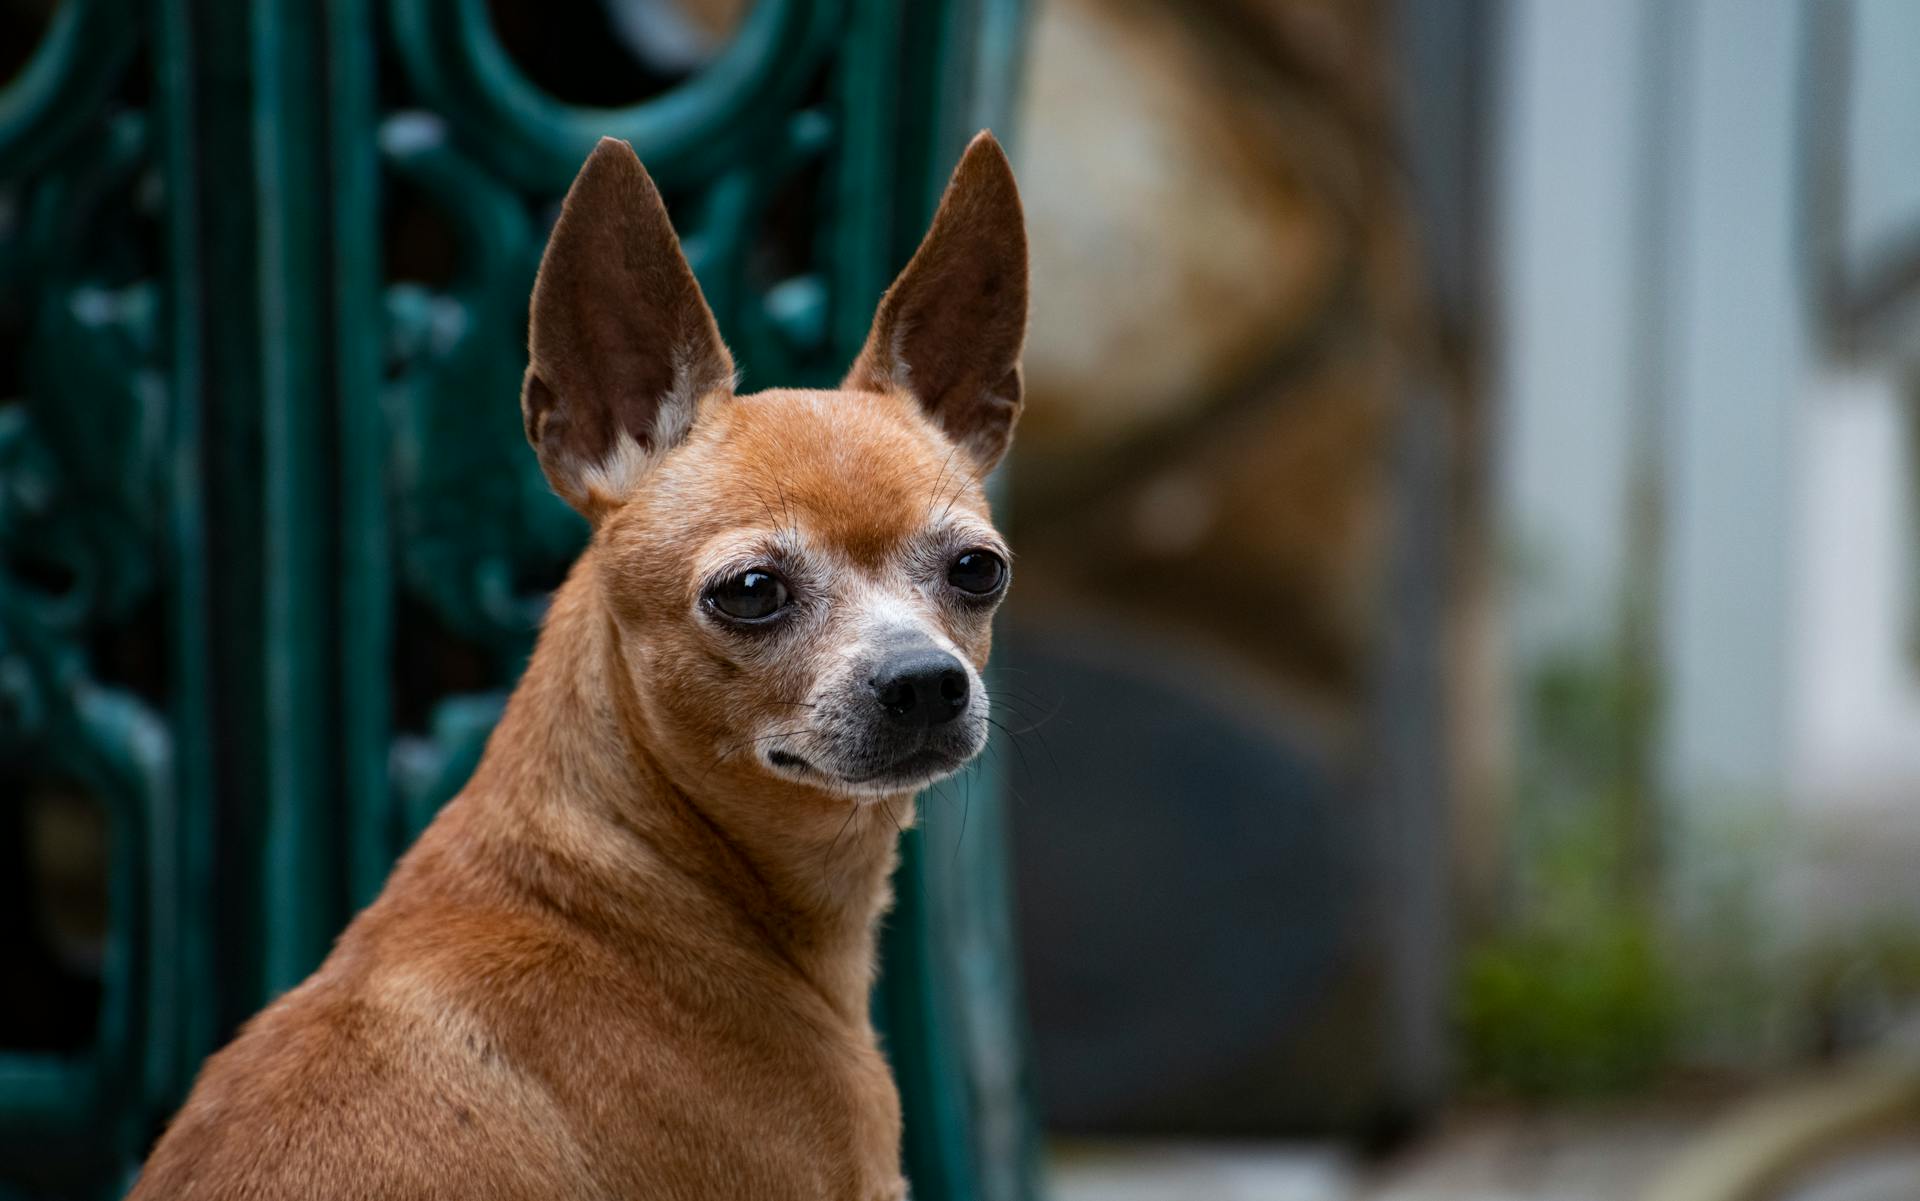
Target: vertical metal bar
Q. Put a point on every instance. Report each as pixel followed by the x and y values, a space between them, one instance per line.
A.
pixel 268 442
pixel 365 576
pixel 860 259
pixel 177 1047
pixel 301 876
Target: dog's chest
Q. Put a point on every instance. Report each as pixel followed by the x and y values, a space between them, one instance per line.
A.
pixel 769 1096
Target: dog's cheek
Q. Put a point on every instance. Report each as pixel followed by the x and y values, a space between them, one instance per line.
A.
pixel 982 649
pixel 728 691
pixel 678 690
pixel 972 634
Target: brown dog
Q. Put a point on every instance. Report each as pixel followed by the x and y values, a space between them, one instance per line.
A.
pixel 632 958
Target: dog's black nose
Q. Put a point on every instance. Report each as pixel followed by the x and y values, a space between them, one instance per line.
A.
pixel 922 688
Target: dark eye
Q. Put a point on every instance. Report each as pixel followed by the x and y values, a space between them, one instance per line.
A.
pixel 980 572
pixel 753 595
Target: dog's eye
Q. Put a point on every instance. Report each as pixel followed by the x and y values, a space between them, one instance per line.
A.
pixel 980 572
pixel 753 595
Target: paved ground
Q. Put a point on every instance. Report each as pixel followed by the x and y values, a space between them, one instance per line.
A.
pixel 1200 1172
pixel 1890 1173
pixel 1532 1156
pixel 1512 1156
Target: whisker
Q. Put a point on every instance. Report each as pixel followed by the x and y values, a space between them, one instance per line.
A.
pixel 1018 704
pixel 966 807
pixel 786 504
pixel 734 749
pixel 1034 730
pixel 1001 778
pixel 933 496
pixel 762 498
pixel 808 731
pixel 1043 699
pixel 964 485
pixel 1033 725
pixel 938 789
pixel 853 811
pixel 721 758
pixel 1020 749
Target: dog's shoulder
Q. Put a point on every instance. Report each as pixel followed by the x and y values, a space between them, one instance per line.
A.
pixel 325 1095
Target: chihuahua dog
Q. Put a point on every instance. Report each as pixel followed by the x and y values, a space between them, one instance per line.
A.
pixel 632 958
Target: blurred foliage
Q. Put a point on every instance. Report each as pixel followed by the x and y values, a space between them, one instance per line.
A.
pixel 1602 968
pixel 1572 995
pixel 1860 986
pixel 1568 1012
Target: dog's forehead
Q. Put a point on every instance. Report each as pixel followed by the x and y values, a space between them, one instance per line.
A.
pixel 863 473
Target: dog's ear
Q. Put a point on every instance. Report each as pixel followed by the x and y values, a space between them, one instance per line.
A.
pixel 950 329
pixel 622 348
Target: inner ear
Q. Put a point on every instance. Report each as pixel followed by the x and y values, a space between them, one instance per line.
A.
pixel 622 348
pixel 950 329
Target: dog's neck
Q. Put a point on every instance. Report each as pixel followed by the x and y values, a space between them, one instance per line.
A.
pixel 570 775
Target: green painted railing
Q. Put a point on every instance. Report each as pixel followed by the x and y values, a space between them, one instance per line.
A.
pixel 272 547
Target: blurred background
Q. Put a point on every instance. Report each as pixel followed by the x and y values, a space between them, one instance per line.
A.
pixel 1463 685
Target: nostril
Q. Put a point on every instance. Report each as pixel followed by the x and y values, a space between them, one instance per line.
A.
pixel 953 689
pixel 897 696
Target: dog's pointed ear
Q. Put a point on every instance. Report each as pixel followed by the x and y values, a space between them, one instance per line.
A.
pixel 622 348
pixel 951 328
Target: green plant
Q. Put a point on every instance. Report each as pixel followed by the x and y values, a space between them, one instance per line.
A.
pixel 1574 1012
pixel 1571 995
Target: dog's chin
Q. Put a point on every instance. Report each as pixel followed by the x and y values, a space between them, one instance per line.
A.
pixel 910 772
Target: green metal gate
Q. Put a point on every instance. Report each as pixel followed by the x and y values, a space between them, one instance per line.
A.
pixel 255 255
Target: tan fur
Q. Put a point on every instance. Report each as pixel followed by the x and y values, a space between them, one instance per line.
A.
pixel 632 958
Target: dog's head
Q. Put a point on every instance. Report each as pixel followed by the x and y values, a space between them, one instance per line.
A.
pixel 801 583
